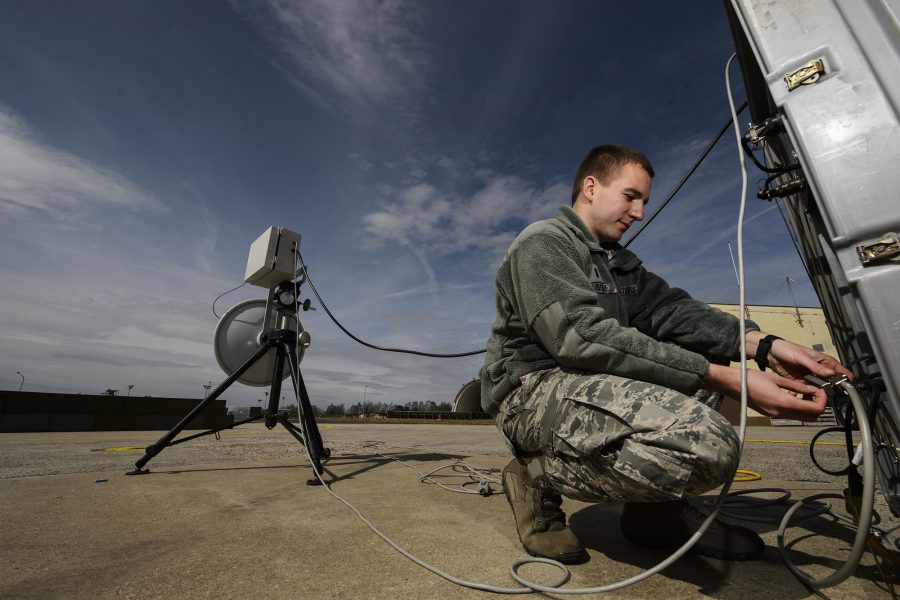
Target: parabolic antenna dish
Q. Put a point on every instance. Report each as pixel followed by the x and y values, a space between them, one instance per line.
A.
pixel 237 338
pixel 468 398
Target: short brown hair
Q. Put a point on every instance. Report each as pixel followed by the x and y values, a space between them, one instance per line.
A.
pixel 604 162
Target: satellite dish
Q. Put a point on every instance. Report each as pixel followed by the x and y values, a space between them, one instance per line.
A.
pixel 468 398
pixel 238 336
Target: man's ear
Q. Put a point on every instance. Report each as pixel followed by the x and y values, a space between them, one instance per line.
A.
pixel 589 187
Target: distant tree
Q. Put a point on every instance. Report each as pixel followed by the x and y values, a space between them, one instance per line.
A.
pixel 335 410
pixel 356 409
pixel 427 405
pixel 293 412
pixel 444 407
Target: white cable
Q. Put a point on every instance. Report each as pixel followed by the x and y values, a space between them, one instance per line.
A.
pixel 529 586
pixel 742 315
pixel 462 582
pixel 475 474
pixel 864 521
pixel 554 587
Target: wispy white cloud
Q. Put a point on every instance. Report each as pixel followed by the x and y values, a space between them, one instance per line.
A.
pixel 355 56
pixel 444 223
pixel 435 224
pixel 35 176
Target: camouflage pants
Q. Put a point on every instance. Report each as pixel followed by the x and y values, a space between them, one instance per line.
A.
pixel 601 437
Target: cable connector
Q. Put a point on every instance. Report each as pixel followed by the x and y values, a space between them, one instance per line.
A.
pixel 786 189
pixel 484 488
pixel 830 384
pixel 758 133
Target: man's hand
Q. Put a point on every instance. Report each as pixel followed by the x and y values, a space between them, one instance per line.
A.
pixel 790 360
pixel 795 362
pixel 769 393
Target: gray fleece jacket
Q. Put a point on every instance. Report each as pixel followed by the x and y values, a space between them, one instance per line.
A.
pixel 563 300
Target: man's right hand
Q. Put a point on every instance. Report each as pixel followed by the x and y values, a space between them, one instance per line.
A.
pixel 769 393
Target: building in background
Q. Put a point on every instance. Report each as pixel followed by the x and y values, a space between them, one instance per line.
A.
pixel 802 325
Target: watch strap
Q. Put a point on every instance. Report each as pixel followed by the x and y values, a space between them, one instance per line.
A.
pixel 762 351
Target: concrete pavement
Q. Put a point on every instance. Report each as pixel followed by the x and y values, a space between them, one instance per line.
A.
pixel 233 518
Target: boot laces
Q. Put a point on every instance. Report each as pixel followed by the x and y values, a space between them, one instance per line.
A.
pixel 692 511
pixel 551 509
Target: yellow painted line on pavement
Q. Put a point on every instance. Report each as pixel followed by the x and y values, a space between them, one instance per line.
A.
pixel 799 442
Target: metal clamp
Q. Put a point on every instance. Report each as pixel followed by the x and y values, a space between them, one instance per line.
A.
pixel 885 248
pixel 829 385
pixel 805 75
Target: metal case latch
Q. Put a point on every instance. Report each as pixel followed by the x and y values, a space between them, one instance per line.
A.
pixel 808 73
pixel 887 247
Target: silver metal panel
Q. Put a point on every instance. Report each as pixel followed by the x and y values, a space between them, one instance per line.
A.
pixel 845 131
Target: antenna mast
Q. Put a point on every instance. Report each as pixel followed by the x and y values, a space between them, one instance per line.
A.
pixel 787 280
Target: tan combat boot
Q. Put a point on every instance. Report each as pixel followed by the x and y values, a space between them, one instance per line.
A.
pixel 540 521
pixel 668 525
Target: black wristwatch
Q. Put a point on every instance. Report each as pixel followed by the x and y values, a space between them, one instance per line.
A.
pixel 762 351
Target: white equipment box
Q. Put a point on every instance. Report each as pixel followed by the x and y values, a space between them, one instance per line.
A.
pixel 273 258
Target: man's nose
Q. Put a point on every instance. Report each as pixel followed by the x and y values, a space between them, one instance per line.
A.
pixel 637 211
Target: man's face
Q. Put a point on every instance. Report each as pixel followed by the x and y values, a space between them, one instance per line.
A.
pixel 611 209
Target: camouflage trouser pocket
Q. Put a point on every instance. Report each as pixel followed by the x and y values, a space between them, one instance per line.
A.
pixel 648 473
pixel 601 442
pixel 516 415
pixel 595 414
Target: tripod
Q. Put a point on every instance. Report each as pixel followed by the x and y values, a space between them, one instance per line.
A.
pixel 284 341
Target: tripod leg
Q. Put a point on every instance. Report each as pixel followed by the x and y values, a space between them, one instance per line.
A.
pixel 307 419
pixel 275 387
pixel 164 441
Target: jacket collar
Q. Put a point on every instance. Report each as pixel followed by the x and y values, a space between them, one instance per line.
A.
pixel 623 259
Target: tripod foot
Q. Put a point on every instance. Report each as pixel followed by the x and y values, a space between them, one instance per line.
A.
pixel 326 452
pixel 313 482
pixel 138 471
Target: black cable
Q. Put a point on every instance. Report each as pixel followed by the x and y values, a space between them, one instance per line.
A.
pixel 684 179
pixel 812 452
pixel 745 144
pixel 222 294
pixel 859 359
pixel 373 346
pixel 793 240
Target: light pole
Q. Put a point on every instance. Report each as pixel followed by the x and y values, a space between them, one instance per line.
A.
pixel 206 387
pixel 23 380
pixel 129 389
pixel 364 400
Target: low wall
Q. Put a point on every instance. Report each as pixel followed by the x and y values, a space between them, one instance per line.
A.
pixel 37 411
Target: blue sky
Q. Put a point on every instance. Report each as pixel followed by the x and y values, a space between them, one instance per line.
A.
pixel 145 145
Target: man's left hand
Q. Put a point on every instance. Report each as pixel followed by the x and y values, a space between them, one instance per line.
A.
pixel 795 362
